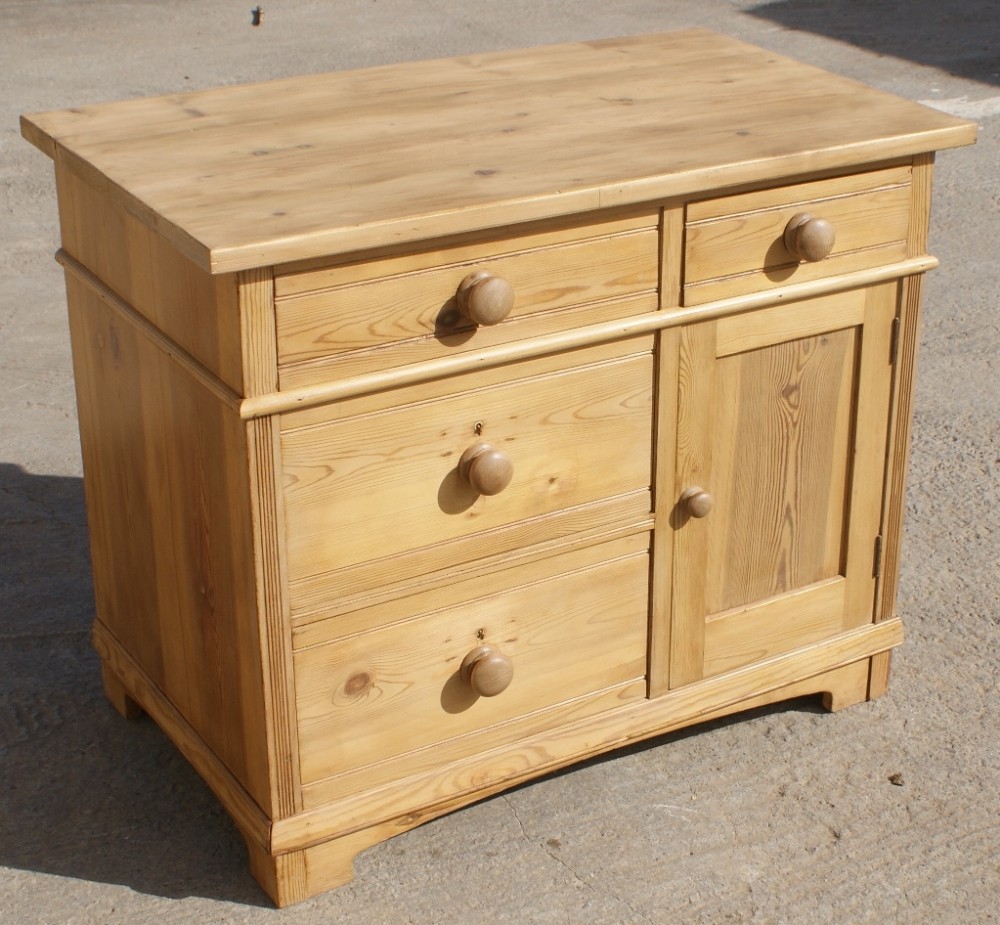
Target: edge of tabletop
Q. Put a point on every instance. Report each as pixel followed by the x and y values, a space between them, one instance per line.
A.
pixel 942 131
pixel 34 132
pixel 409 229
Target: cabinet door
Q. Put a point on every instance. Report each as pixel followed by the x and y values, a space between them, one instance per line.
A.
pixel 782 417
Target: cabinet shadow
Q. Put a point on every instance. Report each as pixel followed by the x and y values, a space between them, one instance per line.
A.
pixel 957 36
pixel 87 794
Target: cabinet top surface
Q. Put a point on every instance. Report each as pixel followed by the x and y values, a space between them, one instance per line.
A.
pixel 260 174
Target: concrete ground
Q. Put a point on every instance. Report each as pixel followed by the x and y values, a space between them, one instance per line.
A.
pixel 785 815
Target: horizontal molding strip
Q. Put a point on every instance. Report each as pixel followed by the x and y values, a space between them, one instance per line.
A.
pixel 152 333
pixel 383 380
pixel 250 819
pixel 794 203
pixel 311 396
pixel 480 775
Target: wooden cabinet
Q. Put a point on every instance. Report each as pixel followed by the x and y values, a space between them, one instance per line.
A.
pixel 451 422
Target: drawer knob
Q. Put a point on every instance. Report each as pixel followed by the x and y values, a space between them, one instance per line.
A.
pixel 487 469
pixel 487 671
pixel 809 238
pixel 484 298
pixel 697 502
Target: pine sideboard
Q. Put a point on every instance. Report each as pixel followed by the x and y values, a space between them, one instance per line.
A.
pixel 446 423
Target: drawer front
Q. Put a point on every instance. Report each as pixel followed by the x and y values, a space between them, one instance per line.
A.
pixel 340 317
pixel 736 245
pixel 381 484
pixel 567 636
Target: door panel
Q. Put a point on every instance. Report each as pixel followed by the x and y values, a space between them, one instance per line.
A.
pixel 748 634
pixel 782 426
pixel 782 417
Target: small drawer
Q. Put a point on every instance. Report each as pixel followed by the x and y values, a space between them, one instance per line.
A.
pixel 571 639
pixel 439 302
pixel 736 245
pixel 390 481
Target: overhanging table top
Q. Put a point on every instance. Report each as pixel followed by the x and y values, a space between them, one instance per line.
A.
pixel 261 174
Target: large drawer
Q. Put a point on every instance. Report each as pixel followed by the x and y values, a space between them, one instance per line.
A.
pixel 571 638
pixel 376 485
pixel 736 244
pixel 339 319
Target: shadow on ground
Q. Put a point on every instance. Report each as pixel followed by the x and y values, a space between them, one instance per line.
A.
pixel 957 36
pixel 86 794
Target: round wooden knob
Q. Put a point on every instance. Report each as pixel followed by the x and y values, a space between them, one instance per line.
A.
pixel 809 238
pixel 487 671
pixel 487 469
pixel 484 298
pixel 697 502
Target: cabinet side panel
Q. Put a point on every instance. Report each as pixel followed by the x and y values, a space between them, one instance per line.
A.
pixel 165 474
pixel 908 339
pixel 191 307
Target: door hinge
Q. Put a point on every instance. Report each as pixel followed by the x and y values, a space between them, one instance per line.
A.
pixel 894 342
pixel 877 563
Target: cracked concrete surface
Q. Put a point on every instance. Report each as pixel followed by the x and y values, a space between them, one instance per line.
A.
pixel 783 815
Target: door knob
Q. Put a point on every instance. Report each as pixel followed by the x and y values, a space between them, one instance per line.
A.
pixel 484 298
pixel 697 502
pixel 487 469
pixel 809 238
pixel 487 671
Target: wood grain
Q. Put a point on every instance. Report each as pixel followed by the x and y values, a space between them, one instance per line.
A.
pixel 251 820
pixel 186 306
pixel 328 860
pixel 472 778
pixel 422 303
pixel 390 691
pixel 736 244
pixel 672 255
pixel 167 502
pixel 392 259
pixel 486 739
pixel 324 392
pixel 258 337
pixel 665 494
pixel 801 196
pixel 338 590
pixel 150 333
pixel 782 416
pixel 644 489
pixel 769 627
pixel 273 613
pixel 237 178
pixel 868 471
pixel 782 429
pixel 390 483
pixel 392 601
pixel 514 338
pixel 908 341
pixel 696 385
pixel 117 693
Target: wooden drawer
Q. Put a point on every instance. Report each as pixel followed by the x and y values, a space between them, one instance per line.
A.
pixel 340 318
pixel 735 244
pixel 574 636
pixel 386 482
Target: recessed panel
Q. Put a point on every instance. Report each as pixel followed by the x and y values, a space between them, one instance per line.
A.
pixel 781 465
